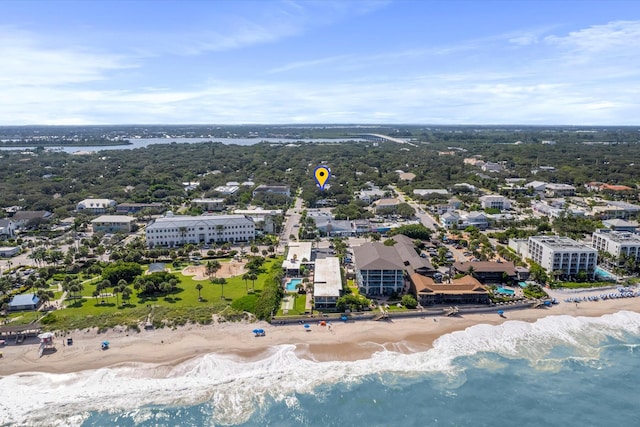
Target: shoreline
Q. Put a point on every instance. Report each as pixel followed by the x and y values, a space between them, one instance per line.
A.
pixel 166 348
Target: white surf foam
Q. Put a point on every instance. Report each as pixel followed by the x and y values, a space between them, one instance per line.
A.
pixel 236 388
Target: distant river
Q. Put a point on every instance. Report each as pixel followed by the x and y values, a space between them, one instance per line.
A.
pixel 143 142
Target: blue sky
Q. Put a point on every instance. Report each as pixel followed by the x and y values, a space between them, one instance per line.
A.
pixel 231 62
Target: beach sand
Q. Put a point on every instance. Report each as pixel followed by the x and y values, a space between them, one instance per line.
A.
pixel 343 341
pixel 227 269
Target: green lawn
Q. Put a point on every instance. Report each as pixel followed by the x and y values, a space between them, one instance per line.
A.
pixel 298 306
pixel 577 285
pixel 179 306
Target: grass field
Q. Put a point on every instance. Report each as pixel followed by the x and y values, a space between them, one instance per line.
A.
pixel 175 308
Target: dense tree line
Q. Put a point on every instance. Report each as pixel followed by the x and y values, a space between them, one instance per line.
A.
pixel 56 181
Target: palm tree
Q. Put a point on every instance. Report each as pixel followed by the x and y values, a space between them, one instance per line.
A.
pixel 471 271
pixel 199 288
pixel 246 277
pixel 116 291
pixel 126 294
pixel 212 267
pixel 252 276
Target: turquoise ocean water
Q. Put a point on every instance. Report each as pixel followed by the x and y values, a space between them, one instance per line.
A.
pixel 559 371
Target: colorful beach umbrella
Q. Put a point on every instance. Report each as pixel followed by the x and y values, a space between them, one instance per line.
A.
pixel 306 326
pixel 500 312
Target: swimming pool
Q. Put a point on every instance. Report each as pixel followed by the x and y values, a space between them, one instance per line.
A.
pixel 522 284
pixel 505 291
pixel 291 285
pixel 604 274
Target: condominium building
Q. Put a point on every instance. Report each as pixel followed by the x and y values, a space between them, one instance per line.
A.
pixel 616 243
pixel 327 282
pixel 562 254
pixel 175 230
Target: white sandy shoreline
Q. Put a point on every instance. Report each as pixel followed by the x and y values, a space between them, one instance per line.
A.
pixel 165 348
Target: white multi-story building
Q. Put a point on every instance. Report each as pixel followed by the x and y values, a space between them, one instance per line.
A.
pixel 559 190
pixel 493 201
pixel 96 206
pixel 175 230
pixel 113 224
pixel 616 243
pixel 555 254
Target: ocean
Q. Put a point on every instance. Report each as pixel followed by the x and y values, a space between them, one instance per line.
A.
pixel 558 371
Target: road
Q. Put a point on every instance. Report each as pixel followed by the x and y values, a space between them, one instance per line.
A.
pixel 292 221
pixel 421 214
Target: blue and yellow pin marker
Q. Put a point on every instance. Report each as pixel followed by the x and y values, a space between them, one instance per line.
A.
pixel 322 175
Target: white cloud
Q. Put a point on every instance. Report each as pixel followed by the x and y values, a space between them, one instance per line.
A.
pixel 613 36
pixel 27 62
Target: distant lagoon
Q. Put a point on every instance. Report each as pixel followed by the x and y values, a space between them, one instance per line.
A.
pixel 144 142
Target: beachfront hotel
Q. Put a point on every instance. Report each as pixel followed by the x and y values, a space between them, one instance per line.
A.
pixel 616 243
pixel 465 290
pixel 176 230
pixel 380 269
pixel 562 254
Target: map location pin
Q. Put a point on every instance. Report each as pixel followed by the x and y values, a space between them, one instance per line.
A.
pixel 322 175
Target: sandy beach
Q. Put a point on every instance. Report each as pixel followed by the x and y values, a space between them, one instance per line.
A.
pixel 342 341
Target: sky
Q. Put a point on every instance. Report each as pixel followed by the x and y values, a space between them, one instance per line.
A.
pixel 539 62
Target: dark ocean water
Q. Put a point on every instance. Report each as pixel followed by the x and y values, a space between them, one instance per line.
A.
pixel 559 371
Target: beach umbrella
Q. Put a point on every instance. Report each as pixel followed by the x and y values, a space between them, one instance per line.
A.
pixel 344 318
pixel 500 312
pixel 105 343
pixel 306 326
pixel 256 331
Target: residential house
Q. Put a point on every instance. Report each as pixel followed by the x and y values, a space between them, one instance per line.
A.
pixel 96 206
pixel 465 290
pixel 371 194
pixel 209 205
pixel 7 229
pixel 131 208
pixel 274 189
pixel 24 218
pixel 493 201
pixel 536 186
pixel 113 224
pixel 476 219
pixel 386 206
pixel 603 187
pixel 430 191
pixel 492 167
pixel 327 282
pixel 227 190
